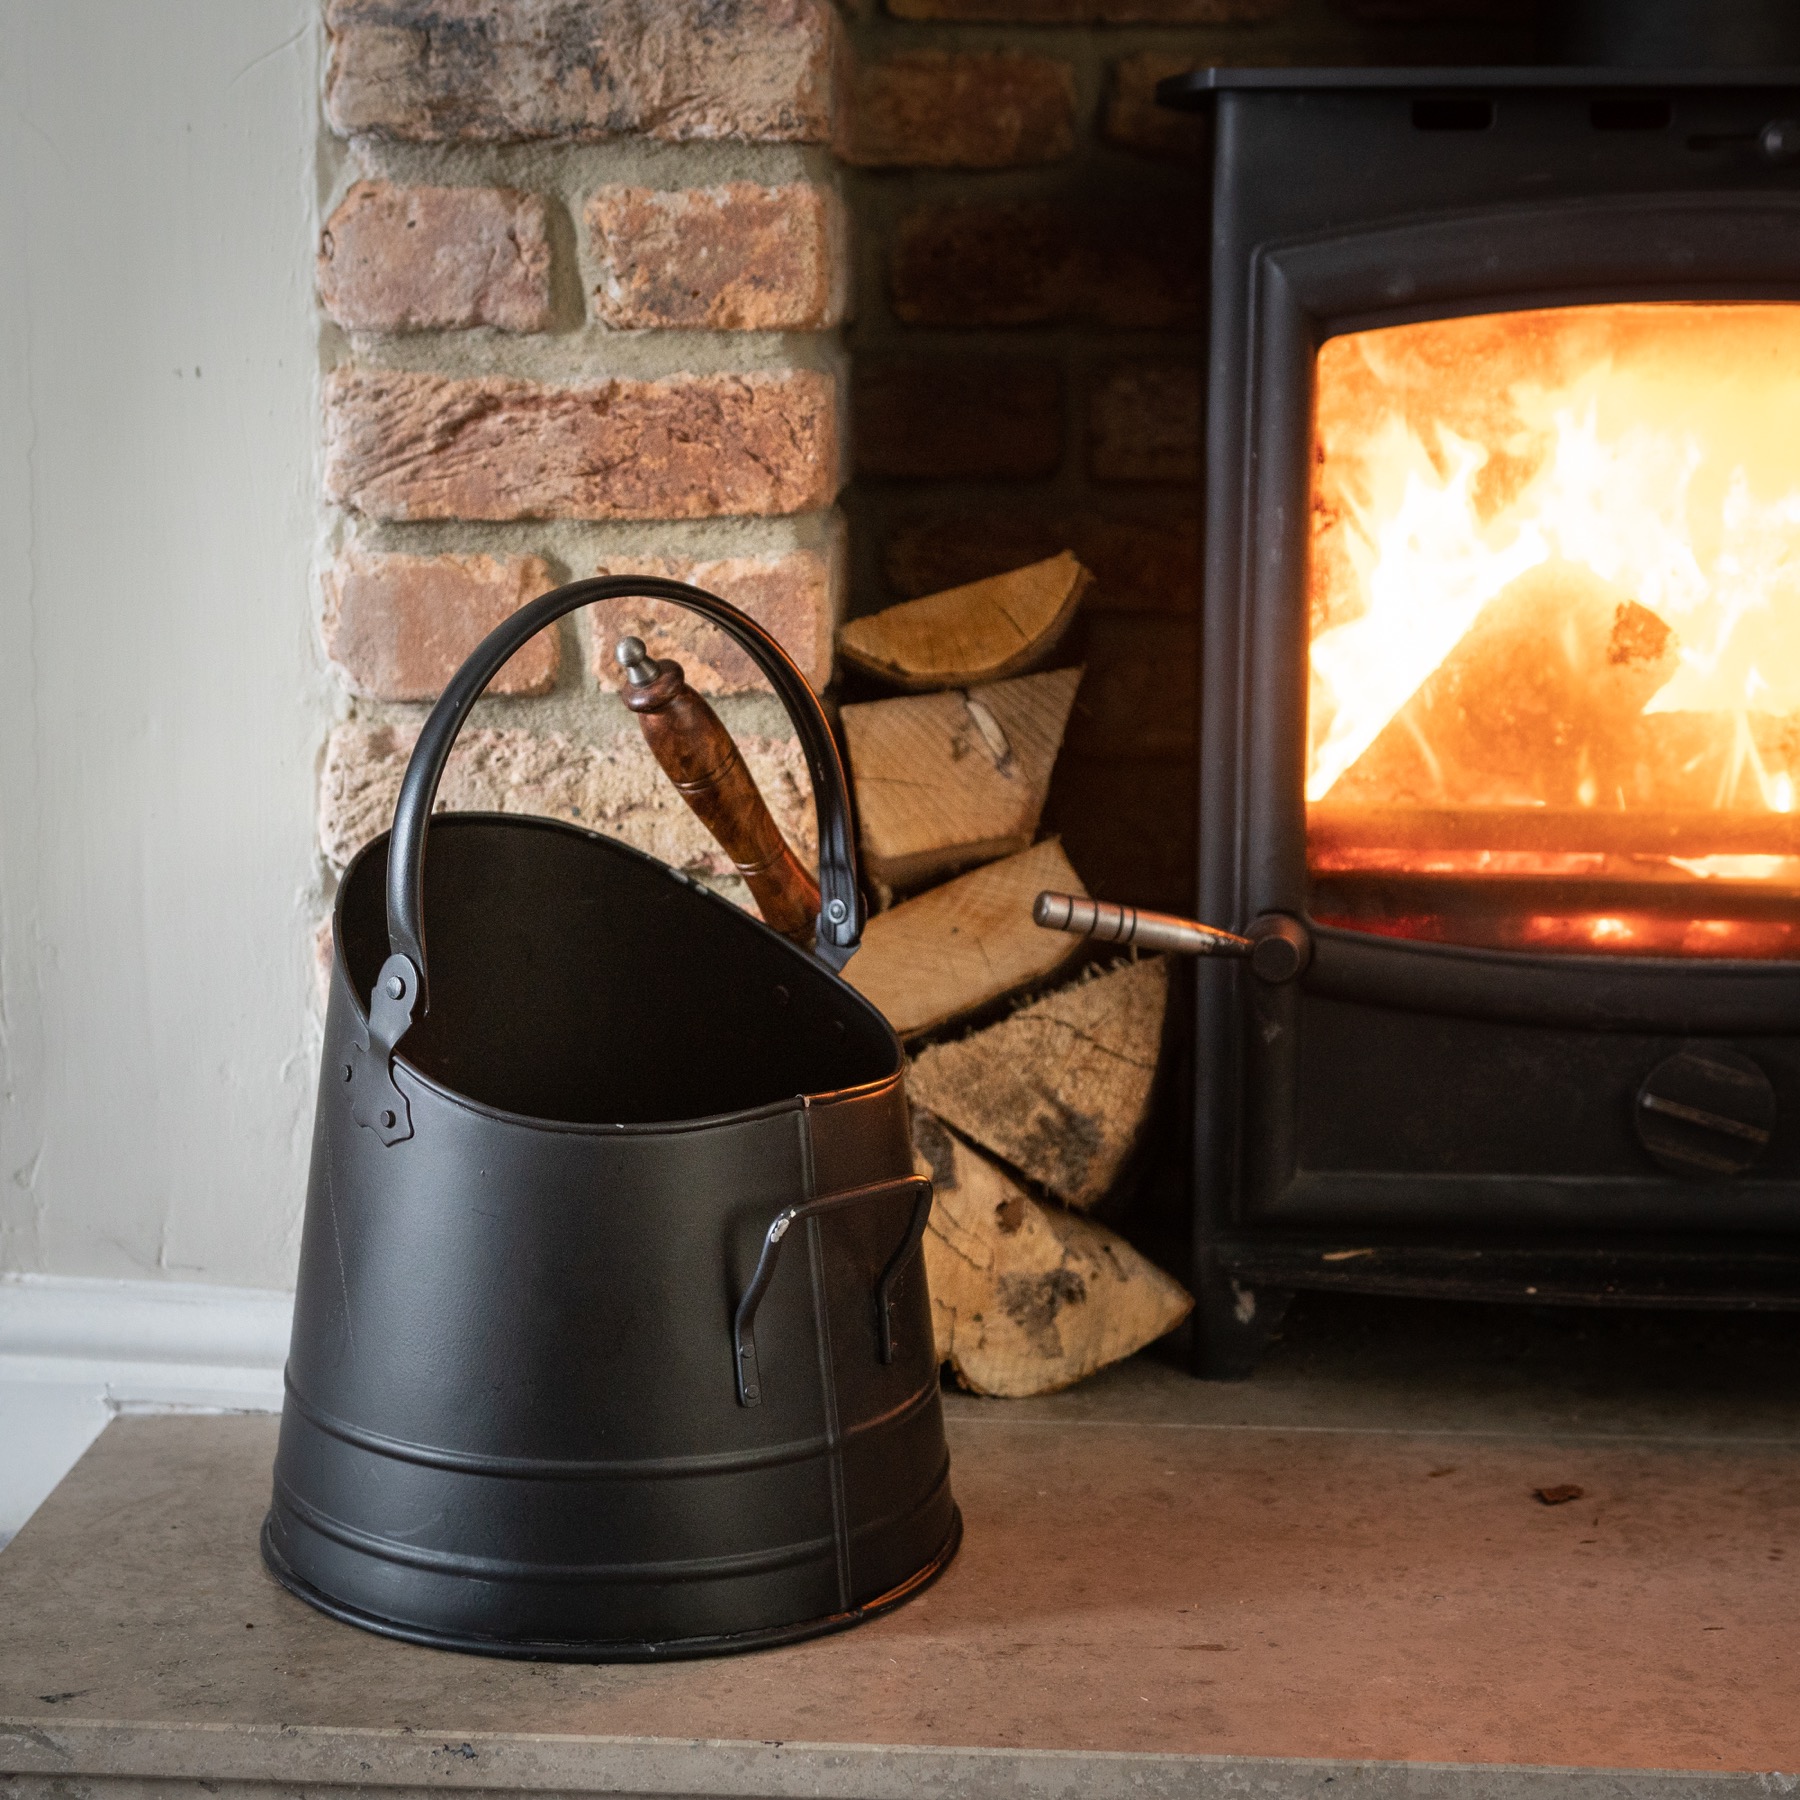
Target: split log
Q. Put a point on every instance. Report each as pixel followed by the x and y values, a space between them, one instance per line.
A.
pixel 1061 1090
pixel 1027 1299
pixel 944 781
pixel 956 947
pixel 982 632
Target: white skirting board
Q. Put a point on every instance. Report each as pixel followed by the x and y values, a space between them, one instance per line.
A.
pixel 74 1352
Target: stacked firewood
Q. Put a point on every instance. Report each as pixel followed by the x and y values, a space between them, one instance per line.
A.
pixel 1024 1119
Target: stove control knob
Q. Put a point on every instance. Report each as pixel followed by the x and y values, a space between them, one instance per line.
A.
pixel 1280 948
pixel 1705 1111
pixel 1779 140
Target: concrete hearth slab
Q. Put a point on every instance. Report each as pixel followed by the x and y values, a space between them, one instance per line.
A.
pixel 1338 1578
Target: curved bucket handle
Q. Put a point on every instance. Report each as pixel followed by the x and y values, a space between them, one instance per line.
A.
pixel 403 984
pixel 743 1324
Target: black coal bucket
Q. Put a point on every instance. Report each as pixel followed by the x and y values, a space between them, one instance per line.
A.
pixel 611 1338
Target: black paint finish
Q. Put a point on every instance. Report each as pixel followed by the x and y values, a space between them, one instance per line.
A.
pixel 1408 1105
pixel 514 1418
pixel 1672 34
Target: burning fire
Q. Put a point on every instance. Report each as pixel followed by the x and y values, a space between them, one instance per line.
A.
pixel 1555 575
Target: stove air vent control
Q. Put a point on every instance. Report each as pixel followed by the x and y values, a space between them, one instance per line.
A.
pixel 1706 1111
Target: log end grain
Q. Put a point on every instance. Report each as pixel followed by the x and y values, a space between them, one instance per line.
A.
pixel 984 631
pixel 1027 1299
pixel 1062 1089
pixel 955 948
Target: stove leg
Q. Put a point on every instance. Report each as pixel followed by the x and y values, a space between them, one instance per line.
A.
pixel 1232 1325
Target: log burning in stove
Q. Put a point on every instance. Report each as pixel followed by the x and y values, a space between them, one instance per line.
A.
pixel 1554 618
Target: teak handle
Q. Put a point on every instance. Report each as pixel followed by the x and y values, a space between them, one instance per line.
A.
pixel 697 754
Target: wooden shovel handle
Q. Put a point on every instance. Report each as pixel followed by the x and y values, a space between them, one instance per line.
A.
pixel 697 753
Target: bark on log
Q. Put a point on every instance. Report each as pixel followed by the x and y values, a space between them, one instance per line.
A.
pixel 957 947
pixel 945 781
pixel 1027 1299
pixel 1061 1090
pixel 984 631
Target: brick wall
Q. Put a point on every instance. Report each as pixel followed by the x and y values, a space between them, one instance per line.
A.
pixel 1029 336
pixel 585 270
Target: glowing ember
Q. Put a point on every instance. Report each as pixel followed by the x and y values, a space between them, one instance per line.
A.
pixel 1740 868
pixel 1555 614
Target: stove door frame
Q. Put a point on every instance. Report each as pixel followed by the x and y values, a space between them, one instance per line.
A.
pixel 1295 294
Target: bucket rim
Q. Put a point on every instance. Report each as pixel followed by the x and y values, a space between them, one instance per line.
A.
pixel 340 973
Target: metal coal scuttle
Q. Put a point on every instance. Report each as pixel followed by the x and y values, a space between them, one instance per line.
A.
pixel 611 1339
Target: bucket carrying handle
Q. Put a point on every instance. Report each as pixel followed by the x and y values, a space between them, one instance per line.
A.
pixel 743 1331
pixel 398 988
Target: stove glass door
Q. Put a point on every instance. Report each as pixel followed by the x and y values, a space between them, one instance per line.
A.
pixel 1555 631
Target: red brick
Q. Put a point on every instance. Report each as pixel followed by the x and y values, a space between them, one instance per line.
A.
pixel 411 446
pixel 958 419
pixel 940 109
pixel 796 598
pixel 1147 262
pixel 1011 263
pixel 1138 697
pixel 1119 261
pixel 1143 564
pixel 612 786
pixel 493 71
pixel 1133 120
pixel 1144 423
pixel 734 258
pixel 1092 12
pixel 423 258
pixel 399 627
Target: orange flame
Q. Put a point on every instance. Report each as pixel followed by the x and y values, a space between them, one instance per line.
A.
pixel 1555 626
pixel 1646 449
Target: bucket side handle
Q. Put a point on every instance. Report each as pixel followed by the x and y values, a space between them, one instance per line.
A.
pixel 749 1377
pixel 840 897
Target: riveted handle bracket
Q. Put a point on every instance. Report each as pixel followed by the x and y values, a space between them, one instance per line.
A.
pixel 749 1376
pixel 376 1102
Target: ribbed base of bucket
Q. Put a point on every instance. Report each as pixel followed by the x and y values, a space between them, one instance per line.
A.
pixel 662 1650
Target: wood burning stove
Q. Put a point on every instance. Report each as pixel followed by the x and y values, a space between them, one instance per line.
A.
pixel 1501 689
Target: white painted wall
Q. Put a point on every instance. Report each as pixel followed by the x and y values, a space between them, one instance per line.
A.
pixel 161 699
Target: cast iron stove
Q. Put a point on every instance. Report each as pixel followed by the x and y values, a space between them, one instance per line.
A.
pixel 1501 689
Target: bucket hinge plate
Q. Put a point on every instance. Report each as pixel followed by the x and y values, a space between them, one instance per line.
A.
pixel 376 1102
